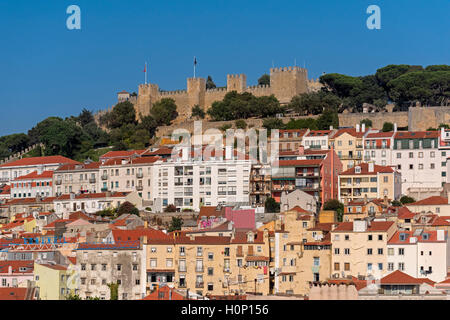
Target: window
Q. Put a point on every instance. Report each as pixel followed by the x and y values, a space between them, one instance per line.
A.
pixel 103 267
pixel 83 266
pixel 369 237
pixel 93 267
pixel 401 251
pixel 153 263
pixel 390 266
pixel 401 266
pixel 135 267
pixel 336 251
pixel 380 237
pixel 138 282
pixel 369 251
pixel 336 266
pixel 347 237
pixel 380 266
pixel 210 256
pixel 93 281
pixel 119 267
pixel 380 251
pixel 199 251
pixel 210 271
pixel 169 263
pixel 369 266
pixel 346 251
pixel 347 266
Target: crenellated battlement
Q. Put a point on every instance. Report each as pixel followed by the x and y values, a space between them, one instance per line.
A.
pixel 285 83
pixel 287 69
pixel 169 93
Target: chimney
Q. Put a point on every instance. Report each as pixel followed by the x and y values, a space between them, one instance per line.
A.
pixel 301 150
pixel 228 152
pixel 331 127
pixel 371 166
pixel 440 235
pixel 359 226
pixel 386 201
pixel 357 127
pixel 365 199
pixel 395 127
pixel 363 127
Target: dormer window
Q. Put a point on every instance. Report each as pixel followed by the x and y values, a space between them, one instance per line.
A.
pixel 357 169
pixel 425 236
pixel 402 237
pixel 250 237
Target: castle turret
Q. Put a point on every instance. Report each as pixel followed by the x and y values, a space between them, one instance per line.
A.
pixel 236 82
pixel 196 88
pixel 288 82
pixel 148 94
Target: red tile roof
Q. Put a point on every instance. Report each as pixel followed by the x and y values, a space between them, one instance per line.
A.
pixel 165 293
pixel 380 135
pixel 398 277
pixel 434 200
pixel 316 133
pixel 350 131
pixel 365 170
pixel 35 176
pixel 300 163
pixel 299 209
pixel 13 293
pixel 417 134
pixel 120 154
pixel 82 166
pixel 134 235
pixel 375 226
pixel 54 266
pixel 405 213
pixel 94 195
pixel 432 237
pixel 38 161
pixel 359 284
pixel 16 265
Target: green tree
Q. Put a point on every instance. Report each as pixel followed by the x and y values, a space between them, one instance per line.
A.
pixel 264 80
pixel 366 122
pixel 164 111
pixel 148 124
pixel 240 124
pixel 273 123
pixel 127 208
pixel 175 224
pixel 210 83
pixel 271 205
pixel 170 208
pixel 114 291
pixel 388 127
pixel 335 205
pixel 122 114
pixel 396 203
pixel 327 119
pixel 406 199
pixel 85 117
pixel 198 112
pixel 314 103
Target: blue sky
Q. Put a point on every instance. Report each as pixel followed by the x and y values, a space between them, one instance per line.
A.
pixel 48 70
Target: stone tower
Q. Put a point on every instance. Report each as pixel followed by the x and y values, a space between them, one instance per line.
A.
pixel 148 94
pixel 196 88
pixel 236 82
pixel 288 82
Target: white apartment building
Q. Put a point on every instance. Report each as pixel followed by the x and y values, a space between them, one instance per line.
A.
pixel 318 139
pixel 420 254
pixel 93 202
pixel 76 178
pixel 21 167
pixel 416 155
pixel 32 185
pixel 129 175
pixel 189 183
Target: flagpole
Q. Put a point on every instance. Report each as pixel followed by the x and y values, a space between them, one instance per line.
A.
pixel 195 64
pixel 145 72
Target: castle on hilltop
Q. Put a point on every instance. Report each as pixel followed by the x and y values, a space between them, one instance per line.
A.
pixel 285 83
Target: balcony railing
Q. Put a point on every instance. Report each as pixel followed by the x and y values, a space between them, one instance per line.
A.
pixel 199 269
pixel 182 269
pixel 104 189
pixel 4 179
pixel 104 177
pixel 199 284
pixel 139 175
pixel 92 180
pixel 139 188
pixel 58 182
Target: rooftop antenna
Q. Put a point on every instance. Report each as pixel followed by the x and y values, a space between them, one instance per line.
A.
pixel 145 73
pixel 195 64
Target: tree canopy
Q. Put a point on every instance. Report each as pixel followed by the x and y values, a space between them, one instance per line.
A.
pixel 264 80
pixel 164 111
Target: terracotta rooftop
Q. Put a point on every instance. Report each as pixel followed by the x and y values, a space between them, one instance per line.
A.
pixel 375 226
pixel 398 277
pixel 36 176
pixel 365 170
pixel 417 134
pixel 434 200
pixel 38 161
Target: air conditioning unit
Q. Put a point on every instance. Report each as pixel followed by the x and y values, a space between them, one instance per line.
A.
pixel 335 276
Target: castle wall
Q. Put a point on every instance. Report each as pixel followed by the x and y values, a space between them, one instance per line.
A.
pixel 378 119
pixel 422 118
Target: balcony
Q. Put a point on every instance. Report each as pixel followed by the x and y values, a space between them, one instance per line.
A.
pixel 199 269
pixel 181 269
pixel 104 189
pixel 351 157
pixel 4 179
pixel 199 284
pixel 104 177
pixel 92 180
pixel 226 269
pixel 283 188
pixel 139 188
pixel 182 285
pixel 139 175
pixel 58 182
